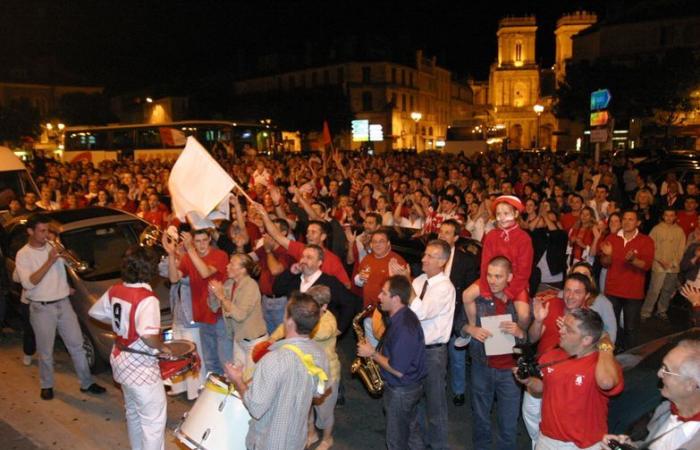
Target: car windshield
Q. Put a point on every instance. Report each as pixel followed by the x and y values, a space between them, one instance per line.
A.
pixel 102 247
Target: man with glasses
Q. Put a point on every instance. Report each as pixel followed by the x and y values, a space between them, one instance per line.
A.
pixel 434 306
pixel 580 376
pixel 676 422
pixel 372 272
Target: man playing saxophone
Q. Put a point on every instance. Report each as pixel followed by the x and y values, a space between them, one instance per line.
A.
pixel 402 364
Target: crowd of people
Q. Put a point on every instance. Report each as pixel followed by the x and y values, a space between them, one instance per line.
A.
pixel 562 254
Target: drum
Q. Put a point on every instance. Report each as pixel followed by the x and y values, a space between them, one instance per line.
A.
pixel 217 420
pixel 183 358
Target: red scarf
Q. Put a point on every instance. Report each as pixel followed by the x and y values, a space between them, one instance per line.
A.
pixel 674 411
pixel 505 232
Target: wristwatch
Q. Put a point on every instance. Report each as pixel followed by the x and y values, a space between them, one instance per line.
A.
pixel 605 347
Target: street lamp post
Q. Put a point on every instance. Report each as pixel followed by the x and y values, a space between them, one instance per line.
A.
pixel 416 116
pixel 538 109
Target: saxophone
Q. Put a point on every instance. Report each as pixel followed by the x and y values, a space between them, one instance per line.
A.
pixel 366 368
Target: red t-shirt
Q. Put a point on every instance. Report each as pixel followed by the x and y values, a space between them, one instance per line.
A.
pixel 331 263
pixel 688 221
pixel 266 278
pixel 378 274
pixel 567 221
pixel 574 408
pixel 623 279
pixel 550 335
pixel 157 218
pixel 200 286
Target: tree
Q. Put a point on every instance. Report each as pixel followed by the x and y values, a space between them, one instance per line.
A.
pixel 19 119
pixel 657 88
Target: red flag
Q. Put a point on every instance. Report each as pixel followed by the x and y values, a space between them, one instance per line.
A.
pixel 326 137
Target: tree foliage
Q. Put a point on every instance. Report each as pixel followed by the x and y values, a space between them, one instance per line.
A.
pixel 648 87
pixel 19 118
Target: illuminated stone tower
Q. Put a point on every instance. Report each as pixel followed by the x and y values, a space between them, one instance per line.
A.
pixel 569 25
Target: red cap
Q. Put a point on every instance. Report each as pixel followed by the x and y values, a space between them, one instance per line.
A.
pixel 512 200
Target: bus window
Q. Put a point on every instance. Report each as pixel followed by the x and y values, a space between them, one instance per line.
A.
pixel 148 138
pixel 122 140
pixel 88 140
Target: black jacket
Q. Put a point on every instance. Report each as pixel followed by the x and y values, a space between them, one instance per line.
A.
pixel 464 271
pixel 344 304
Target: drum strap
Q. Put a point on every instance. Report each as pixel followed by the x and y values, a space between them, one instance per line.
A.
pixel 311 367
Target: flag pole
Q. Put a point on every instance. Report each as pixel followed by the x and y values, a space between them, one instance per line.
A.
pixel 245 194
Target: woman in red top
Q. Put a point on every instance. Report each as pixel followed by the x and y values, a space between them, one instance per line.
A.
pixel 581 236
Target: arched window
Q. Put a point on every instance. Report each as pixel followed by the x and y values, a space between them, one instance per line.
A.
pixel 518 51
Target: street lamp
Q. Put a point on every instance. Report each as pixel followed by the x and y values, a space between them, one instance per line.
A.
pixel 416 116
pixel 538 110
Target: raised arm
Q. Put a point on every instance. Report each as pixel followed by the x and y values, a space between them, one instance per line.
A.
pixel 271 228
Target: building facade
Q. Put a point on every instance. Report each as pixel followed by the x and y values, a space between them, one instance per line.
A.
pixel 44 97
pixel 386 94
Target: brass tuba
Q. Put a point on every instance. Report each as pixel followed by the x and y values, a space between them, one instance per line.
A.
pixel 366 368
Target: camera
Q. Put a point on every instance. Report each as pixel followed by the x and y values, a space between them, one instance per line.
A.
pixel 527 365
pixel 615 445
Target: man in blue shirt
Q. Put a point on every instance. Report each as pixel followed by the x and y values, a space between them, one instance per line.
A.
pixel 402 364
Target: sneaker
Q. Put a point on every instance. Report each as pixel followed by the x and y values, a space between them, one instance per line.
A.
pixel 27 360
pixel 94 388
pixel 47 394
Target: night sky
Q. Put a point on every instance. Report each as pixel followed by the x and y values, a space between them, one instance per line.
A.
pixel 130 44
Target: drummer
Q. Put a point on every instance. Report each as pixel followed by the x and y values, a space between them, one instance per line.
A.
pixel 134 313
pixel 285 381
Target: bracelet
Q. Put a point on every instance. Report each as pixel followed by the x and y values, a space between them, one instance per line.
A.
pixel 276 205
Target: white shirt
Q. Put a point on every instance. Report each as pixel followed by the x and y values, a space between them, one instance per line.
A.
pixel 436 310
pixel 54 285
pixel 676 438
pixel 406 222
pixel 307 282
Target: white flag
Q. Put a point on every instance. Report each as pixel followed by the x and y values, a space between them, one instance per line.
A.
pixel 197 183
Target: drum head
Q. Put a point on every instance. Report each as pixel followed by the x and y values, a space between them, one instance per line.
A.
pixel 180 348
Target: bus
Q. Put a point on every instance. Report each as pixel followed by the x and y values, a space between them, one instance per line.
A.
pixel 163 140
pixel 472 137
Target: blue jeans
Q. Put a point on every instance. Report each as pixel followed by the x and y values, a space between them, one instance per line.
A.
pixel 488 384
pixel 217 345
pixel 400 407
pixel 432 412
pixel 273 311
pixel 458 367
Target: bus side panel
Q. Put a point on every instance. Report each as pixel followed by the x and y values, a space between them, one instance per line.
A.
pixel 161 153
pixel 93 156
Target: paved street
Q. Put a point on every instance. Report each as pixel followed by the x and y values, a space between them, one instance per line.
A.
pixel 79 421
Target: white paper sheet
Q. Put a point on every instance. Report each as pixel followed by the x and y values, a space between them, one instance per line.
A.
pixel 499 343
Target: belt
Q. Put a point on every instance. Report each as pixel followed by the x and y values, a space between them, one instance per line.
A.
pixel 47 303
pixel 435 345
pixel 254 339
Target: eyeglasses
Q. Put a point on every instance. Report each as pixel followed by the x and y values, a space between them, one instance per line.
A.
pixel 664 371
